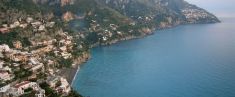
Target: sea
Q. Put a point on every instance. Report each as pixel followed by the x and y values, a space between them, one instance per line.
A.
pixel 186 61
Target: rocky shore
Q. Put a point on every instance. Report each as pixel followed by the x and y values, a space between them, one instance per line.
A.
pixel 70 73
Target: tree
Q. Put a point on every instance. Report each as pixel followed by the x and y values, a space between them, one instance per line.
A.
pixel 74 94
pixel 66 62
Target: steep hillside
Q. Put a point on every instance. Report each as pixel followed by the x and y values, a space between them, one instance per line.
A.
pixel 114 20
pixel 176 9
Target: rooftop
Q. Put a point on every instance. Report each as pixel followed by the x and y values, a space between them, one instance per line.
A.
pixel 21 84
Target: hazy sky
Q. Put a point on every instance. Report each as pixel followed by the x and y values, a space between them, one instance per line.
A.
pixel 222 8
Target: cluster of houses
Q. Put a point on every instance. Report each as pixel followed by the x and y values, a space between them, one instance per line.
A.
pixel 144 18
pixel 20 89
pixel 6 73
pixel 24 87
pixel 38 25
pixel 35 60
pixel 106 33
pixel 59 84
pixel 194 14
pixel 32 62
pixel 65 45
pixel 12 61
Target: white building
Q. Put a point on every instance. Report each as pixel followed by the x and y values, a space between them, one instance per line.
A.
pixel 4 75
pixel 52 81
pixel 50 24
pixel 4 48
pixel 64 87
pixel 36 24
pixel 1 64
pixel 63 48
pixel 37 67
pixel 1 55
pixel 33 61
pixel 18 89
pixel 29 19
pixel 66 55
pixel 15 24
pixel 6 68
pixel 4 89
pixel 41 28
pixel 40 93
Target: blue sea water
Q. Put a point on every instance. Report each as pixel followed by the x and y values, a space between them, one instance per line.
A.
pixel 185 61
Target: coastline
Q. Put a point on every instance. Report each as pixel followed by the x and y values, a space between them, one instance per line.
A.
pixel 72 81
pixel 70 73
pixel 107 77
pixel 75 70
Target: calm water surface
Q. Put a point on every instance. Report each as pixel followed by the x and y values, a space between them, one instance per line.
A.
pixel 186 61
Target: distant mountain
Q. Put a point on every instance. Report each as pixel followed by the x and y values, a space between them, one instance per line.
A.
pixel 108 21
pixel 161 9
pixel 154 13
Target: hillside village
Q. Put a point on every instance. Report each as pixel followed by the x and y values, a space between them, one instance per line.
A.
pixel 24 69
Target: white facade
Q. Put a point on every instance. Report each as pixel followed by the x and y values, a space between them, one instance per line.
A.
pixel 5 48
pixel 40 93
pixel 64 87
pixel 1 64
pixel 18 89
pixel 35 68
pixel 5 76
pixel 4 88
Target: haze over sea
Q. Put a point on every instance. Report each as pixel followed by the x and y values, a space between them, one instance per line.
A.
pixel 185 61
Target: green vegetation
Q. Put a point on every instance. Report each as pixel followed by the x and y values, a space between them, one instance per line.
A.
pixel 49 91
pixel 30 94
pixel 28 90
pixel 8 38
pixel 74 94
pixel 22 73
pixel 66 62
pixel 92 38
